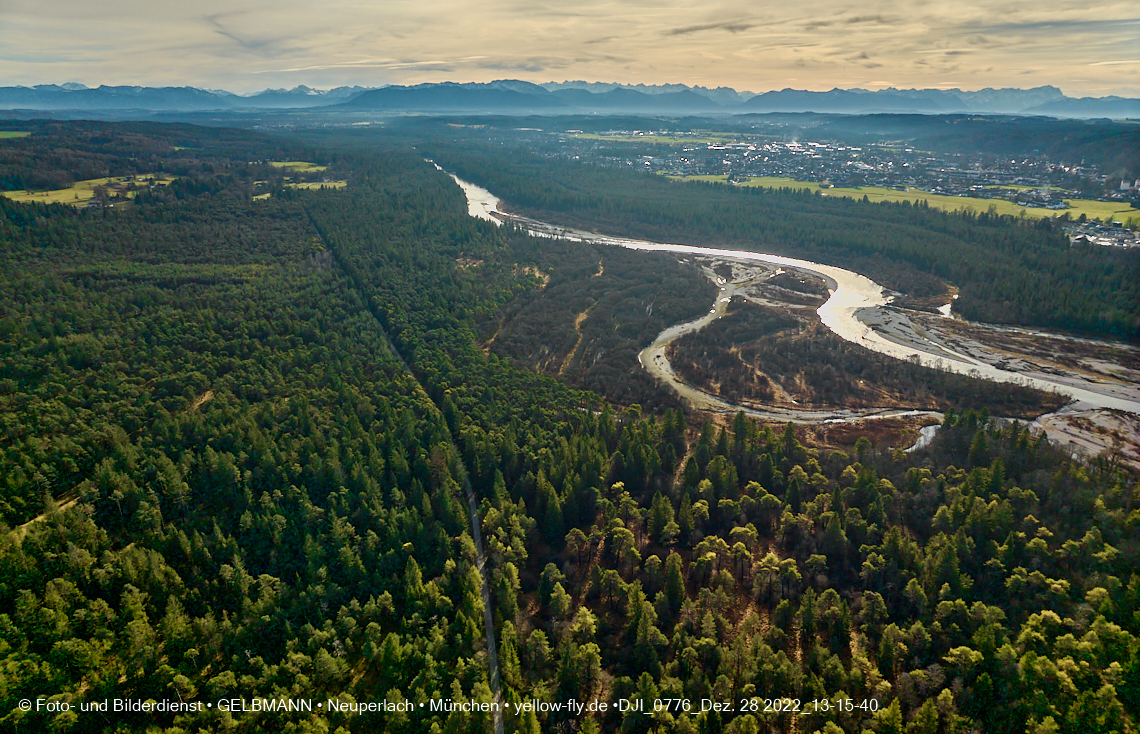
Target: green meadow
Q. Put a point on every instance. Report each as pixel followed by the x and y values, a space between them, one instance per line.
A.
pixel 669 139
pixel 297 165
pixel 81 192
pixel 1114 210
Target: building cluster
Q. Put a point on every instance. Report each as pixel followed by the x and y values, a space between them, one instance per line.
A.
pixel 1092 232
pixel 1033 182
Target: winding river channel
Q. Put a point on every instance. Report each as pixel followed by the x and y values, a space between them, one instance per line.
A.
pixel 857 311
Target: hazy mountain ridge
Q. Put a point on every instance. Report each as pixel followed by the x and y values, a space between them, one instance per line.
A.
pixel 451 97
pixel 928 101
pixel 681 99
pixel 726 96
pixel 516 96
pixel 73 96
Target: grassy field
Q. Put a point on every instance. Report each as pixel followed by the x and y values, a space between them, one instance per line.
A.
pixel 775 182
pixel 13 134
pixel 1118 211
pixel 82 192
pixel 297 165
pixel 670 139
pixel 705 178
pixel 1020 187
pixel 317 185
pixel 771 182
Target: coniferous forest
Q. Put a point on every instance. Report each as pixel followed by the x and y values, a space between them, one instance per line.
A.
pixel 240 436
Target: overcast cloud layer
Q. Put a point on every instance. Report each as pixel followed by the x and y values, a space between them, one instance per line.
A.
pixel 760 45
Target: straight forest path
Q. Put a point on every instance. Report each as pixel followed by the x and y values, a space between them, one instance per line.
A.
pixel 472 509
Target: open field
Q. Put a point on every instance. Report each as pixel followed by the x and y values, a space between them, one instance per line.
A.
pixel 1021 187
pixel 778 182
pixel 1117 210
pixel 81 192
pixel 13 134
pixel 298 165
pixel 306 185
pixel 1092 209
pixel 771 182
pixel 670 139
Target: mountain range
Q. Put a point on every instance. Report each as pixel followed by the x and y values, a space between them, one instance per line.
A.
pixel 571 97
pixel 77 97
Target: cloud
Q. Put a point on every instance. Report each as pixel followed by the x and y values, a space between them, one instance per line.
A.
pixel 879 19
pixel 1065 26
pixel 268 47
pixel 747 44
pixel 854 20
pixel 732 26
pixel 380 64
pixel 863 60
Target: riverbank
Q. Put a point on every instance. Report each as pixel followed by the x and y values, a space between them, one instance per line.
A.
pixel 858 310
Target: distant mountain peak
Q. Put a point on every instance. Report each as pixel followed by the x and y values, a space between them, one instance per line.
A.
pixel 66 87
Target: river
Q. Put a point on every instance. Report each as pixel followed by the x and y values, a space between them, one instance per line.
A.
pixel 855 304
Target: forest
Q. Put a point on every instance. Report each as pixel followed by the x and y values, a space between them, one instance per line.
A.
pixel 599 308
pixel 57 154
pixel 237 437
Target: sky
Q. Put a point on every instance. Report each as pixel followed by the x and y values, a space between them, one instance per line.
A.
pixel 1086 49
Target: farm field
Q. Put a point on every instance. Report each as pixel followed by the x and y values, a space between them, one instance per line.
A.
pixel 298 165
pixel 13 134
pixel 1022 187
pixel 317 185
pixel 81 192
pixel 670 139
pixel 1092 209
